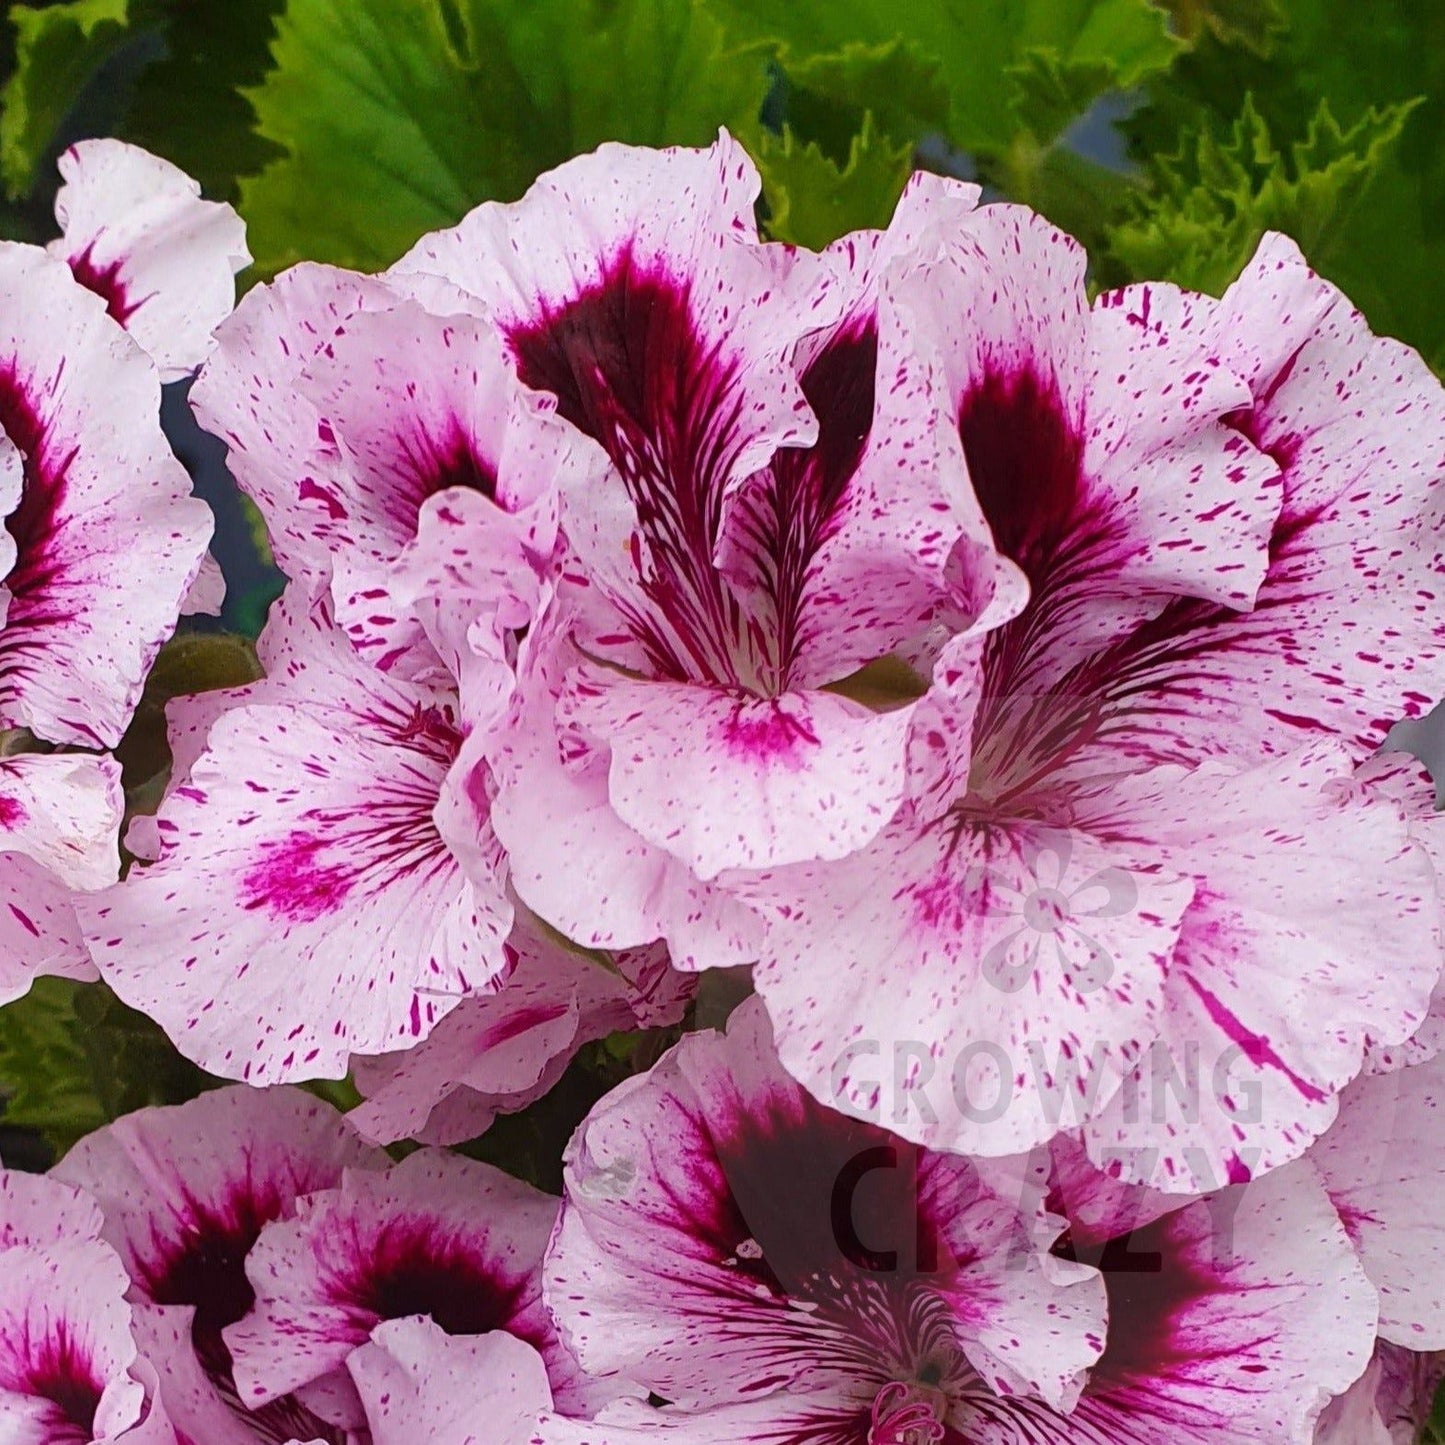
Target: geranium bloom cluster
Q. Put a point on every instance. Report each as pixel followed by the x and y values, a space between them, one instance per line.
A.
pixel 998 673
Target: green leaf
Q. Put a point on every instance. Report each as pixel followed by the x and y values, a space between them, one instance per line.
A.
pixel 990 53
pixel 57 50
pixel 132 1064
pixel 1389 253
pixel 188 106
pixel 1214 203
pixel 1254 24
pixel 44 1072
pixel 73 1057
pixel 812 201
pixel 398 119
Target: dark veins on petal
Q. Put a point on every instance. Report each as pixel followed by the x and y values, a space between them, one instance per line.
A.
pixel 205 1267
pixel 1152 1285
pixel 55 1368
pixel 793 508
pixel 416 1267
pixel 628 368
pixel 35 526
pixel 105 282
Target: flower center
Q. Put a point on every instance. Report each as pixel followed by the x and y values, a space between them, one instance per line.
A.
pixel 906 1414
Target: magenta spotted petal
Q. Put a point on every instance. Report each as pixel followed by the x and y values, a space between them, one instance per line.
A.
pixel 60 819
pixel 498 1052
pixel 185 1193
pixel 138 234
pixel 396 458
pixel 754 536
pixel 725 1240
pixel 305 871
pixel 1382 1164
pixel 69 1369
pixel 106 536
pixel 438 1235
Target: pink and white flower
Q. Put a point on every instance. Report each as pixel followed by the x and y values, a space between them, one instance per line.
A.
pixel 102 536
pixel 764 519
pixel 727 1240
pixel 69 1367
pixel 138 234
pixel 185 1192
pixel 437 1235
pixel 1201 549
pixel 314 896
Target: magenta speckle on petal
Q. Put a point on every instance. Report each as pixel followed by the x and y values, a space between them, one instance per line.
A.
pixel 291 883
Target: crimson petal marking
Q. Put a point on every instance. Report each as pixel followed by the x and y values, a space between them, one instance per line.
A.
pixel 878 1263
pixel 629 369
pixel 185 1192
pixel 106 534
pixel 437 1235
pixel 138 234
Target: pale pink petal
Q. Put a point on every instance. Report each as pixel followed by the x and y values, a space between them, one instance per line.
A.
pixel 1388 1404
pixel 1383 1163
pixel 437 1235
pixel 60 817
pixel 36 1212
pixel 208 592
pixel 1275 986
pixel 437 436
pixel 304 882
pixel 554 817
pixel 107 535
pixel 138 234
pixel 185 1191
pixel 680 1262
pixel 737 782
pixel 498 1052
pixel 988 984
pixel 419 1383
pixel 249 394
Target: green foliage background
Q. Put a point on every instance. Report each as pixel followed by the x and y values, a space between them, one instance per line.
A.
pixel 1167 136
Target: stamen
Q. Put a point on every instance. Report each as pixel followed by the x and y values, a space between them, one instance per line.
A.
pixel 906 1415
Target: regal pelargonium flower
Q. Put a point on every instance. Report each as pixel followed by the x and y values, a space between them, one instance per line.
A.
pixel 757 534
pixel 101 535
pixel 498 1052
pixel 1212 571
pixel 137 233
pixel 438 1235
pixel 1232 1318
pixel 185 1193
pixel 396 457
pixel 312 898
pixel 725 1240
pixel 69 1367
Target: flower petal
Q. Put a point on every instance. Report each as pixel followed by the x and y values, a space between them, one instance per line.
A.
pixel 108 537
pixel 138 234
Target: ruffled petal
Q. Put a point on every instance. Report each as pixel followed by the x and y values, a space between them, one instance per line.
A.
pixel 107 535
pixel 138 234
